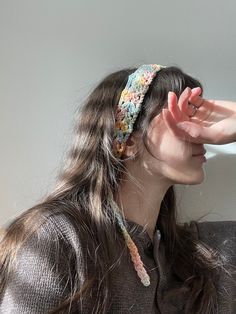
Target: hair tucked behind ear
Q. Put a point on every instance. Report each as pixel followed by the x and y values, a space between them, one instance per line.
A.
pixel 91 174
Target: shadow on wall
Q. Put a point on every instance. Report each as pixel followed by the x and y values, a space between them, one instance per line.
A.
pixel 221 181
pixel 215 197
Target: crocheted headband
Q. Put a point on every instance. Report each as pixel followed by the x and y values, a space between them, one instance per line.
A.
pixel 127 111
pixel 130 102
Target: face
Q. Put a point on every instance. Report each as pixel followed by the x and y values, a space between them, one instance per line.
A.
pixel 175 163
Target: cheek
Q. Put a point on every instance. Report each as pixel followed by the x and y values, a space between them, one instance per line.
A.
pixel 170 149
pixel 175 161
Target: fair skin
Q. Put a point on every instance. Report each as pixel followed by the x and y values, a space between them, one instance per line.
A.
pixel 174 149
pixel 213 123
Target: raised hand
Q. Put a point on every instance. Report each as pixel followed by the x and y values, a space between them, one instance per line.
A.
pixel 213 123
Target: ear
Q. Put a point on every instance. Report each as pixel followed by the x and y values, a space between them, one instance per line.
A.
pixel 132 144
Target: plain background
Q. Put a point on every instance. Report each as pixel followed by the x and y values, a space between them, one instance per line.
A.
pixel 53 53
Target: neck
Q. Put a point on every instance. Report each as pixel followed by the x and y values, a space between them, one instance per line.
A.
pixel 142 204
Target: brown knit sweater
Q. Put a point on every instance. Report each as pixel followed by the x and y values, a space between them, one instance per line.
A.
pixel 38 284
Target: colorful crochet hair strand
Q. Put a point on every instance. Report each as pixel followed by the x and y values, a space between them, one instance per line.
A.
pixel 135 257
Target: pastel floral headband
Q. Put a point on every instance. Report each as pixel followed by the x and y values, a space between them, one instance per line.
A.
pixel 127 111
pixel 130 102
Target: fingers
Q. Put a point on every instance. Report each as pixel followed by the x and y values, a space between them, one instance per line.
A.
pixel 183 100
pixel 195 97
pixel 173 107
pixel 179 112
pixel 169 120
pixel 175 130
pixel 179 108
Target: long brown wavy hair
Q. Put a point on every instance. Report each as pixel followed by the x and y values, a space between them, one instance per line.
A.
pixel 89 176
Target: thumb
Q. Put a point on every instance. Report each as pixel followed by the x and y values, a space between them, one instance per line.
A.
pixel 192 128
pixel 209 134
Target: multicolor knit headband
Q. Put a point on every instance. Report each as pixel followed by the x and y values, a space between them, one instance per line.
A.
pixel 130 102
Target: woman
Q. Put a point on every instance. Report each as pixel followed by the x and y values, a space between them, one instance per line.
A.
pixel 106 240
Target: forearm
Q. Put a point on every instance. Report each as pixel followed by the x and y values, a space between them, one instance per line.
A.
pixel 229 129
pixel 226 104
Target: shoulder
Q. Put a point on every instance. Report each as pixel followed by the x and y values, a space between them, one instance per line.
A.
pixel 217 230
pixel 44 266
pixel 220 235
pixel 61 227
pixel 44 235
pixel 49 243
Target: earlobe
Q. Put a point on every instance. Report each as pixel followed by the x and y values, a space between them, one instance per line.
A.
pixel 131 146
pixel 130 141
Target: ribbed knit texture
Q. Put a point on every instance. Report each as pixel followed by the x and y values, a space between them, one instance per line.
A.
pixel 39 284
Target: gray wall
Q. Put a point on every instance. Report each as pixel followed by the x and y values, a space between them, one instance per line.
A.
pixel 52 53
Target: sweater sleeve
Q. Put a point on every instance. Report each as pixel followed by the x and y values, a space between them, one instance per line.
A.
pixel 42 276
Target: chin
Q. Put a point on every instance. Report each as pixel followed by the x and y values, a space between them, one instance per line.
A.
pixel 197 178
pixel 192 178
pixel 199 181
